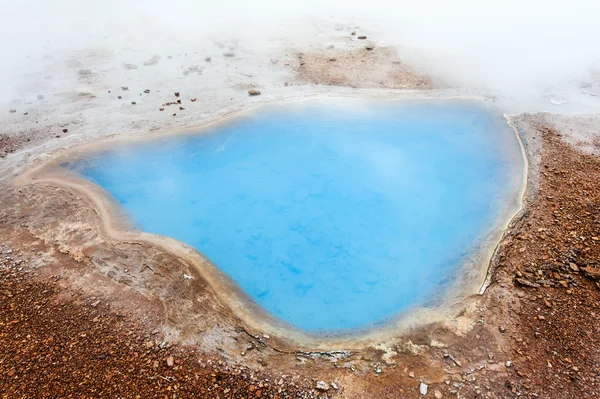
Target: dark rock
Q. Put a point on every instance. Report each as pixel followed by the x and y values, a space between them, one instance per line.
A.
pixel 361 37
pixel 527 283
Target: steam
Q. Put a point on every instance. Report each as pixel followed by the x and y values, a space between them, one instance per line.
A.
pixel 505 46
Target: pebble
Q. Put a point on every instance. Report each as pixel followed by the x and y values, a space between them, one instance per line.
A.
pixel 361 37
pixel 423 388
pixel 12 110
pixel 147 91
pixel 207 59
pixel 84 72
pixel 437 394
pixel 229 54
pixel 502 329
pixel 322 386
pixel 254 92
pixel 170 361
pixel 370 47
pixel 65 130
pixel 411 374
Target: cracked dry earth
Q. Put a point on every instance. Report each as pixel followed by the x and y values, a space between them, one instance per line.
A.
pixel 534 336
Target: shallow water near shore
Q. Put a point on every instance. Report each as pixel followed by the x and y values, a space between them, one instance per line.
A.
pixel 331 216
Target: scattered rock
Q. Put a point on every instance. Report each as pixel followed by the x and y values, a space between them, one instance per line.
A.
pixel 129 66
pixel 65 130
pixel 332 59
pixel 176 94
pixel 411 374
pixel 592 273
pixel 322 386
pixel 573 267
pixel 84 72
pixel 119 97
pixel 361 37
pixel 147 91
pixel 207 58
pixel 170 361
pixel 133 102
pixel 161 109
pixel 502 329
pixel 254 92
pixel 423 388
pixel 193 100
pixel 229 54
pixel 526 283
pixel 12 110
pixel 437 394
pixel 124 88
pixel 369 47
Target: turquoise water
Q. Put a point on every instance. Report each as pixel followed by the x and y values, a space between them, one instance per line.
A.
pixel 331 216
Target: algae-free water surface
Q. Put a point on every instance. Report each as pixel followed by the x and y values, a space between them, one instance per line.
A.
pixel 331 216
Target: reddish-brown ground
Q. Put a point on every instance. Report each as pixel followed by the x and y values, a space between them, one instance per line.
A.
pixel 536 337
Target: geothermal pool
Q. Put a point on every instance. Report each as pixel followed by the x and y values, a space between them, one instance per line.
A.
pixel 332 216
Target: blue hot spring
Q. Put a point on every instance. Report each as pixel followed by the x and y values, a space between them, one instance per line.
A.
pixel 332 216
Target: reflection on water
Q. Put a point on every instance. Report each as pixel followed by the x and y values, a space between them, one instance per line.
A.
pixel 331 217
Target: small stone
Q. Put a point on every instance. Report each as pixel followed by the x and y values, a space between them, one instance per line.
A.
pixel 95 304
pixel 411 374
pixel 193 100
pixel 508 363
pixel 353 33
pixel 369 47
pixel 540 317
pixel 133 102
pixel 332 59
pixel 178 101
pixel 170 361
pixel 181 108
pixel 207 59
pixel 124 88
pixel 12 110
pixel 155 365
pixel 84 72
pixel 322 386
pixel 437 394
pixel 147 91
pixel 229 54
pixel 149 344
pixel 573 267
pixel 176 94
pixel 502 329
pixel 334 385
pixel 65 130
pixel 361 37
pixel 253 92
pixel 174 114
pixel 119 97
pixel 129 66
pixel 161 109
pixel 423 388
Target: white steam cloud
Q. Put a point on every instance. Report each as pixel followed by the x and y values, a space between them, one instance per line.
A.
pixel 505 46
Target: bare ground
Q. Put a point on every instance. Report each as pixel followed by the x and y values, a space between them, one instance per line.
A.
pixel 91 323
